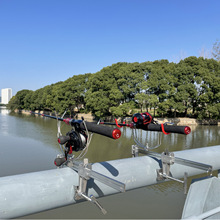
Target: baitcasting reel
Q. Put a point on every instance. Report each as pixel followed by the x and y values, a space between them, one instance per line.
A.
pixel 74 141
pixel 142 118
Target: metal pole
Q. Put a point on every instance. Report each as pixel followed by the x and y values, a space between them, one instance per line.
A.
pixel 34 192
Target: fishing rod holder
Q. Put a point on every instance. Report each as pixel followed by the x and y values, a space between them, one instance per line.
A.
pixel 84 169
pixel 85 172
pixel 167 160
pixel 145 147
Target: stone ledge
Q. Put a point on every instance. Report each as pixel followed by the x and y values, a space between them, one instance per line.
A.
pixel 189 121
pixel 177 121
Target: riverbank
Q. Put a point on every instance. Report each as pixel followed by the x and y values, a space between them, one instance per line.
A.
pixel 177 121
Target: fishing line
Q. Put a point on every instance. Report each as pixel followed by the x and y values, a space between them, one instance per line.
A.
pixel 59 129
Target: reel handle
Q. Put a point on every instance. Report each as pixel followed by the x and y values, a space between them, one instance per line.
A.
pixel 63 139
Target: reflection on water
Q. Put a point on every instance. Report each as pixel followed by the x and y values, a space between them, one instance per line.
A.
pixel 4 111
pixel 4 120
pixel 201 136
pixel 29 143
pixel 22 149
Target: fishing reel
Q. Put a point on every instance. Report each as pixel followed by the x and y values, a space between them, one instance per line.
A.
pixel 142 118
pixel 73 141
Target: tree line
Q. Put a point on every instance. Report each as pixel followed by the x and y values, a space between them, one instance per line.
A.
pixel 188 88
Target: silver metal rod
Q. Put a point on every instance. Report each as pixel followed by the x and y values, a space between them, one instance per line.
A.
pixel 108 181
pixel 171 178
pixel 190 163
pixel 194 164
pixel 94 200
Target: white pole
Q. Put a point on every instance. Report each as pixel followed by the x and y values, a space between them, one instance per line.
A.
pixel 34 192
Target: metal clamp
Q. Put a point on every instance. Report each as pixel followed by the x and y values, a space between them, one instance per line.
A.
pixel 85 172
pixel 168 159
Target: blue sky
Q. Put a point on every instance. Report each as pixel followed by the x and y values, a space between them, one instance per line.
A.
pixel 46 41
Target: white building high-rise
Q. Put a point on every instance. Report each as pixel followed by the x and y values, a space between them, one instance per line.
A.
pixel 6 95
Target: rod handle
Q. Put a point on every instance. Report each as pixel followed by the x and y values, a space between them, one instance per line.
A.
pixel 110 132
pixel 167 128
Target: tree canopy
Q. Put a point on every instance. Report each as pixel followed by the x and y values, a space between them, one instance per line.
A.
pixel 190 87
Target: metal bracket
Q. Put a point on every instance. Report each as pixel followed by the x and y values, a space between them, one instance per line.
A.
pixel 168 159
pixel 145 147
pixel 134 151
pixel 85 172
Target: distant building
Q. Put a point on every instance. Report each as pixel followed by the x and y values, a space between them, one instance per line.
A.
pixel 6 95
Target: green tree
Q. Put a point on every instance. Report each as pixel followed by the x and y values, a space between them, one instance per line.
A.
pixel 13 103
pixel 103 92
pixel 28 100
pixel 153 102
pixel 188 74
pixel 113 86
pixel 71 93
pixel 123 109
pixel 209 93
pixel 161 83
pixel 192 85
pixel 129 80
pixel 141 99
pixel 18 101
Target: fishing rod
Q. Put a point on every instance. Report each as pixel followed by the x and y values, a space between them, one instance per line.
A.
pixel 78 138
pixel 146 122
pixel 91 126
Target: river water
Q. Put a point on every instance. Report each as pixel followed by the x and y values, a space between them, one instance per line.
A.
pixel 29 144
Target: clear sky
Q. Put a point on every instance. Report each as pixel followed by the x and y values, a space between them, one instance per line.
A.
pixel 46 41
